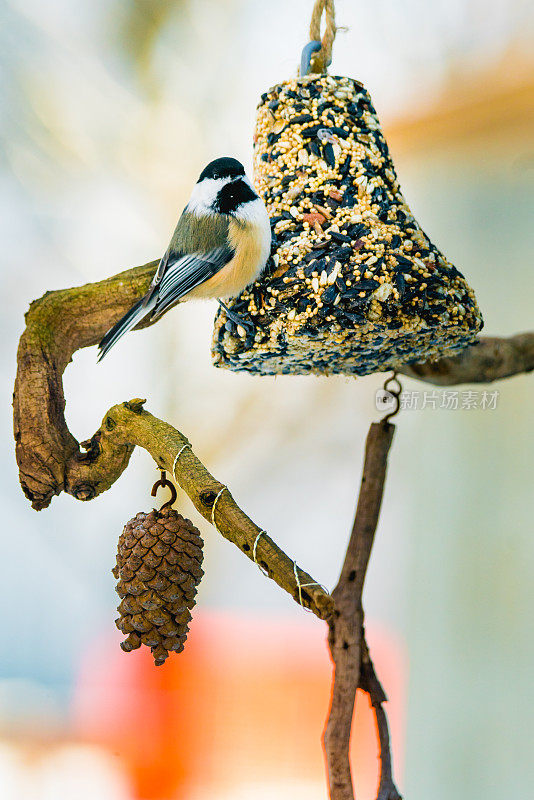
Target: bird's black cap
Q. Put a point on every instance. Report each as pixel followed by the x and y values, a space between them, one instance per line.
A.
pixel 222 168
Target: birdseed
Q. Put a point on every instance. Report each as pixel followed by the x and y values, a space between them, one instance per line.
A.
pixel 353 285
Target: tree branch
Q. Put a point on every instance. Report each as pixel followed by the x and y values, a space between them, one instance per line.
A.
pixel 488 359
pixel 128 424
pixel 57 325
pixel 51 460
pixel 370 684
pixel 353 666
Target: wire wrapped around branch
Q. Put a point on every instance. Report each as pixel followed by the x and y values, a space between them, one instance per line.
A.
pixel 128 424
pixel 49 457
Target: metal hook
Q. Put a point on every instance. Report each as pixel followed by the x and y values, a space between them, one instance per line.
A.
pixel 396 394
pixel 305 59
pixel 163 482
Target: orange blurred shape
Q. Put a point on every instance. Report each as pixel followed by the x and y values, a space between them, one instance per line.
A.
pixel 244 704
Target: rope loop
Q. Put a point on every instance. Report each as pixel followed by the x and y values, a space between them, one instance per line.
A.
pixel 323 58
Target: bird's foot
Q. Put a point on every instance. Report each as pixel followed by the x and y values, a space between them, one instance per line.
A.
pixel 234 319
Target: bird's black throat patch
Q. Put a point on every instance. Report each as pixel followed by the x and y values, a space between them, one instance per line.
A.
pixel 233 195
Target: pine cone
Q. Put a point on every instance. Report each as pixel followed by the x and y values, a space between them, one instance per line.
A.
pixel 159 559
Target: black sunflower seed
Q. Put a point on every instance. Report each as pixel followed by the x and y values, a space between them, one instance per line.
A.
pixel 321 107
pixel 404 262
pixel 358 230
pixel 366 284
pixel 343 254
pixel 329 295
pixel 340 237
pixel 400 283
pixel 354 317
pixel 309 133
pixel 287 179
pixel 300 119
pixel 351 298
pixel 328 155
pixel 339 131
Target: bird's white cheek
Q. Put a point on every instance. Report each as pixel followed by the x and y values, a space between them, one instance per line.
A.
pixel 253 212
pixel 204 194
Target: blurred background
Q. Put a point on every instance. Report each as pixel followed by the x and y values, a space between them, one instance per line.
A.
pixel 110 110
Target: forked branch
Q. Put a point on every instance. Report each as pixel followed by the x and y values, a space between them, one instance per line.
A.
pixel 353 667
pixel 52 461
pixel 128 425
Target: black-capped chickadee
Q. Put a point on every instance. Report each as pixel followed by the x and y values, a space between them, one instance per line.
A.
pixel 220 245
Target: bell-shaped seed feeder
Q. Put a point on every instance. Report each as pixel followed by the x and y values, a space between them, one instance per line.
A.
pixel 353 285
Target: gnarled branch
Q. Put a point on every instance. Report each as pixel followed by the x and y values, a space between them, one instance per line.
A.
pixel 57 325
pixel 370 684
pixel 488 359
pixel 128 424
pixel 352 662
pixel 51 460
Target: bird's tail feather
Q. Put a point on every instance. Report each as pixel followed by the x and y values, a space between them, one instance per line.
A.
pixel 132 318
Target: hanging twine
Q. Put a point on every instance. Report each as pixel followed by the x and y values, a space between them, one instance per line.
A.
pixel 321 60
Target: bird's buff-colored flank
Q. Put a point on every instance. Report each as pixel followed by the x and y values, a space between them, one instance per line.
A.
pixel 251 250
pixel 220 245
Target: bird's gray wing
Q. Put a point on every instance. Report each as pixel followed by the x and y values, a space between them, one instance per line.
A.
pixel 198 250
pixel 184 272
pixel 199 235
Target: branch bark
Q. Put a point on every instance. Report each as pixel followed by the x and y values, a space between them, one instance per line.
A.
pixel 370 684
pixel 128 424
pixel 51 460
pixel 489 359
pixel 352 664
